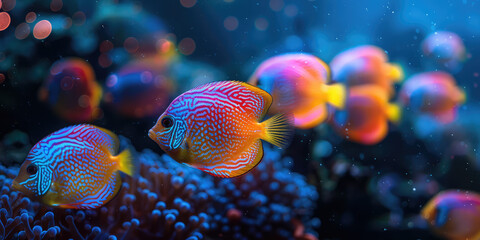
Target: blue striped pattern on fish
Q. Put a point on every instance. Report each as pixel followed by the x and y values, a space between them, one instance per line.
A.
pixel 75 168
pixel 216 128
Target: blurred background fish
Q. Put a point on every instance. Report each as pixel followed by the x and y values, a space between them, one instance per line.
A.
pixel 72 91
pixel 453 214
pixel 298 84
pixel 366 115
pixel 433 93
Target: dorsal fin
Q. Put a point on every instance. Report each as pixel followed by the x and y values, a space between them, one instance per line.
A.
pixel 267 98
pixel 116 141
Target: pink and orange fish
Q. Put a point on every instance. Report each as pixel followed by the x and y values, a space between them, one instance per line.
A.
pixel 454 214
pixel 217 128
pixel 298 84
pixel 365 65
pixel 74 167
pixel 72 91
pixel 433 93
pixel 366 115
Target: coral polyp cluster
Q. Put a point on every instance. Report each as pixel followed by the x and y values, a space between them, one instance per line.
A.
pixel 269 202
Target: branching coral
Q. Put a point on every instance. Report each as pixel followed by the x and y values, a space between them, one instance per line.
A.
pixel 269 202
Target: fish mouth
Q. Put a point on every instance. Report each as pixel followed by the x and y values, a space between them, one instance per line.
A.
pixel 17 187
pixel 152 135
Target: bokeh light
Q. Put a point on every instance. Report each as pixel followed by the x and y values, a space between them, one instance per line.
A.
pixel 30 17
pixel 230 23
pixel 261 24
pixel 104 60
pixel 8 5
pixel 56 5
pixel 2 78
pixel 188 3
pixel 79 18
pixel 22 31
pixel 42 29
pixel 187 46
pixel 4 20
pixel 276 5
pixel 163 45
pixel 106 46
pixel 291 10
pixel 67 23
pixel 131 44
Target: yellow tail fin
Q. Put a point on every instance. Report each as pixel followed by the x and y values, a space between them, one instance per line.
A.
pixel 125 162
pixel 394 112
pixel 395 72
pixel 278 130
pixel 336 94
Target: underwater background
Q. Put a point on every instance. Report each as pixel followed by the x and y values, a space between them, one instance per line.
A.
pixel 134 57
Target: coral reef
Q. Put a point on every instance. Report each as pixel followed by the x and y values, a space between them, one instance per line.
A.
pixel 166 200
pixel 269 202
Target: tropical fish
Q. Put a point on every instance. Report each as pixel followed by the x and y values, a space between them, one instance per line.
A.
pixel 216 128
pixel 72 91
pixel 454 214
pixel 366 114
pixel 74 167
pixel 298 84
pixel 433 93
pixel 446 49
pixel 365 65
pixel 140 88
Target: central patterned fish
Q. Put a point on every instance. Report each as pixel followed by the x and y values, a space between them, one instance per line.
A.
pixel 216 128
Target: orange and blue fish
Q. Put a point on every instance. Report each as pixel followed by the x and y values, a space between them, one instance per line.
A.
pixel 298 84
pixel 364 65
pixel 140 88
pixel 366 115
pixel 217 128
pixel 446 49
pixel 74 167
pixel 433 93
pixel 72 91
pixel 454 214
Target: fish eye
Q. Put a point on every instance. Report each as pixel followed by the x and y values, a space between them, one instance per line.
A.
pixel 32 169
pixel 167 122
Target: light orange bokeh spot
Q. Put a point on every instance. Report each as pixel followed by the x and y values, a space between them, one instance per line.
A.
pixel 42 29
pixel 31 17
pixel 4 20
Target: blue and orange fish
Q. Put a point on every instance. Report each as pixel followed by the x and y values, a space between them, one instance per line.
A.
pixel 366 114
pixel 74 167
pixel 298 84
pixel 446 49
pixel 216 128
pixel 364 65
pixel 72 91
pixel 454 214
pixel 433 93
pixel 140 88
